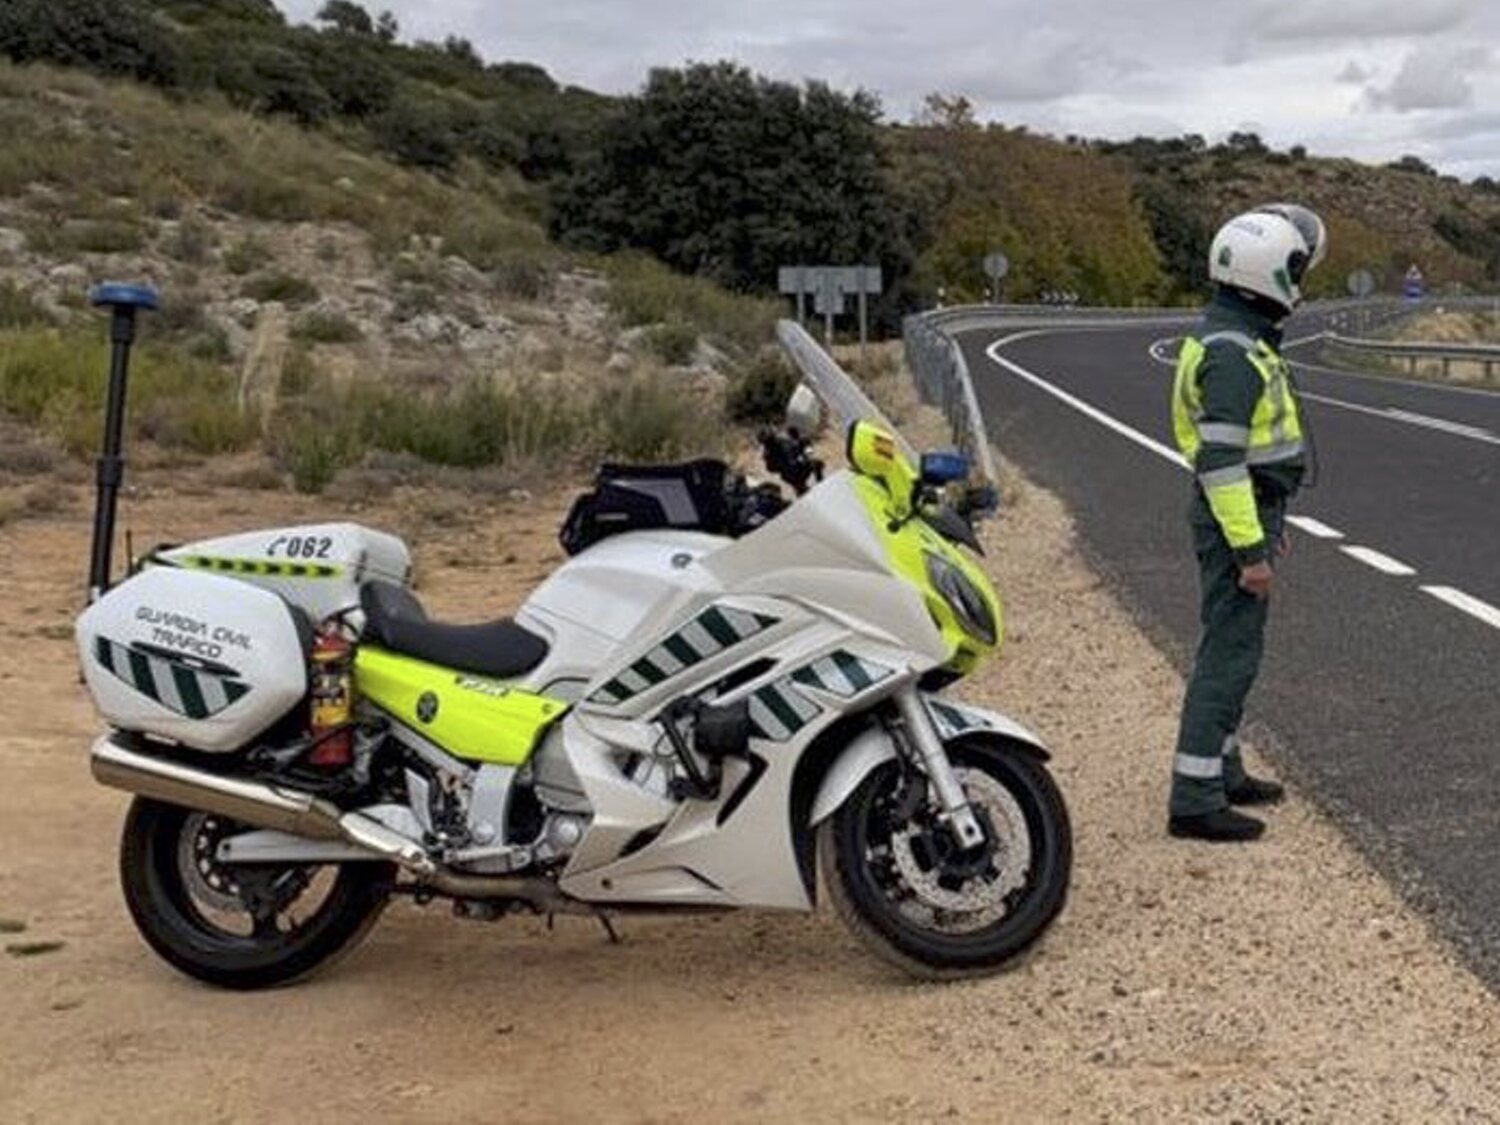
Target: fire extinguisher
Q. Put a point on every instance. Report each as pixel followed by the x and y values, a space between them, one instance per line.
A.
pixel 332 708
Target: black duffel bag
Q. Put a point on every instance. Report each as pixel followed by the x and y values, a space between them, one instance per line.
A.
pixel 693 496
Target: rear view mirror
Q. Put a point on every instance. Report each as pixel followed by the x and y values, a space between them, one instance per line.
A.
pixel 804 413
pixel 944 467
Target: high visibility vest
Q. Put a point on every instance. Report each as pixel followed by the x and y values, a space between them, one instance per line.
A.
pixel 1273 436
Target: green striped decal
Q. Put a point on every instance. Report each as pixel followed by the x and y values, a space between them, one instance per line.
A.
pixel 842 673
pixel 260 568
pixel 177 685
pixel 713 631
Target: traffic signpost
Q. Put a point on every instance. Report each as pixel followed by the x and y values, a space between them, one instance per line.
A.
pixel 829 286
pixel 996 266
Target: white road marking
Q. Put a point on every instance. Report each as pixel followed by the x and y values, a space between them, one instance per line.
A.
pixel 1155 349
pixel 1465 602
pixel 1406 417
pixel 1383 563
pixel 1316 528
pixel 1462 429
pixel 1156 447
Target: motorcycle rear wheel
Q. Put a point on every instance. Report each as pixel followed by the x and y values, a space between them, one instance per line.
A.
pixel 957 917
pixel 198 915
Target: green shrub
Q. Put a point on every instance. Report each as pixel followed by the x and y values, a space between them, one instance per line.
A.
pixel 673 342
pixel 525 274
pixel 18 308
pixel 312 452
pixel 651 417
pixel 245 255
pixel 277 286
pixel 759 393
pixel 325 327
pixel 191 241
pixel 106 236
pixel 55 380
pixel 643 291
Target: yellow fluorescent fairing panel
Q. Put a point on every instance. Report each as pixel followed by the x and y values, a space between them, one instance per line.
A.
pixel 886 485
pixel 471 717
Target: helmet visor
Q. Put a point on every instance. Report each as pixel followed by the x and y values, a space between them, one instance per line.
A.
pixel 1309 226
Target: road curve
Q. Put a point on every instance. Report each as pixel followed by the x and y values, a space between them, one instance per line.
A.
pixel 1381 690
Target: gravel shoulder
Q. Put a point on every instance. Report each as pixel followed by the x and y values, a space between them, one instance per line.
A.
pixel 1275 982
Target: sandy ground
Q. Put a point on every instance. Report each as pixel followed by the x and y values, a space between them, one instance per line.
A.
pixel 1283 981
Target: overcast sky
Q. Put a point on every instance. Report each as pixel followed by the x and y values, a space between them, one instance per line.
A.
pixel 1368 78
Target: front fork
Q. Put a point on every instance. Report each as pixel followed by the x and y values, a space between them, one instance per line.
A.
pixel 924 741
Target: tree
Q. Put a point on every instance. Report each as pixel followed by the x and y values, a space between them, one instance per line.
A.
pixel 1413 164
pixel 109 36
pixel 386 27
pixel 1245 144
pixel 722 173
pixel 346 16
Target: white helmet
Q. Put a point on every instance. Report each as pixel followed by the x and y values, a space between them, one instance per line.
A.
pixel 1268 251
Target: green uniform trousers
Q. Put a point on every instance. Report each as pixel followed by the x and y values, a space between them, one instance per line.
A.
pixel 1234 624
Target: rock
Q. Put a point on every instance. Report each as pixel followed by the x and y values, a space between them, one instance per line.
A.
pixel 429 328
pixel 68 275
pixel 460 274
pixel 368 285
pixel 244 310
pixel 620 363
pixel 632 338
pixel 706 355
pixel 12 241
pixel 344 183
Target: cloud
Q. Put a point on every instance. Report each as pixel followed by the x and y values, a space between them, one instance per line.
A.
pixel 1291 20
pixel 1434 76
pixel 1353 74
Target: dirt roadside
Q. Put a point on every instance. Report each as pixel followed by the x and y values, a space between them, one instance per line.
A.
pixel 1279 982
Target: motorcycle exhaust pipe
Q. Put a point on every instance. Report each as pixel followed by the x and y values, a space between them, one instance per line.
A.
pixel 261 805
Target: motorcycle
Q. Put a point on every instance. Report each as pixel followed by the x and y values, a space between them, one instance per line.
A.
pixel 722 700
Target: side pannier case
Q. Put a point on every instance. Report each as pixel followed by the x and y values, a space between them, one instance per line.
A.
pixel 198 659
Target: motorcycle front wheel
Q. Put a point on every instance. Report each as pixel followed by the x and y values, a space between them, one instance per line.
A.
pixel 901 884
pixel 246 927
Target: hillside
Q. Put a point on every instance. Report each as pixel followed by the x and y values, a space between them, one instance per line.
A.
pixel 1380 218
pixel 325 306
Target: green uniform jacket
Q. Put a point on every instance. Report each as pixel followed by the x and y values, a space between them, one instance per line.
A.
pixel 1231 387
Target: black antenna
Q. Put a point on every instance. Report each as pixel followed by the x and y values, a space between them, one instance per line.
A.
pixel 123 301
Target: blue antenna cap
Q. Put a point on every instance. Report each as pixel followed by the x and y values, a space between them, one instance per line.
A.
pixel 115 295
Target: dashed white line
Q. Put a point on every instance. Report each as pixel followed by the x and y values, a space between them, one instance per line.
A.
pixel 1462 429
pixel 1383 563
pixel 1465 602
pixel 1316 528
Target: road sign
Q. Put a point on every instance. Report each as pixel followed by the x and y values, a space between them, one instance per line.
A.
pixel 1411 288
pixel 996 266
pixel 1361 283
pixel 828 286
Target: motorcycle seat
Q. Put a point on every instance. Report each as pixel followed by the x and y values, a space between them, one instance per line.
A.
pixel 396 620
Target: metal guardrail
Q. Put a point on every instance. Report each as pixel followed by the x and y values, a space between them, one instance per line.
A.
pixel 1413 351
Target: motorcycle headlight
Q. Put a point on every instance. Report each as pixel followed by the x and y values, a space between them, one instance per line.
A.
pixel 967 601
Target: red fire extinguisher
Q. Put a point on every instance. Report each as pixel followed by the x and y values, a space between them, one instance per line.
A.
pixel 332 694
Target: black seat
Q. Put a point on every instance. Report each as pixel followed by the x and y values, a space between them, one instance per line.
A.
pixel 395 619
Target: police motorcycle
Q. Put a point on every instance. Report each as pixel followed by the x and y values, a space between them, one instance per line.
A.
pixel 721 700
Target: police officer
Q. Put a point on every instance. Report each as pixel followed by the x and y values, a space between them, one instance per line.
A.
pixel 1238 423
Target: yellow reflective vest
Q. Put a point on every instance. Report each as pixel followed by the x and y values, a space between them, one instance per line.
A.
pixel 1255 422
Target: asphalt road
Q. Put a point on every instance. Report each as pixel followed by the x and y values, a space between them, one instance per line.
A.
pixel 1381 690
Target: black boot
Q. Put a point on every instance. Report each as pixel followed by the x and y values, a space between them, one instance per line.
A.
pixel 1256 791
pixel 1221 825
